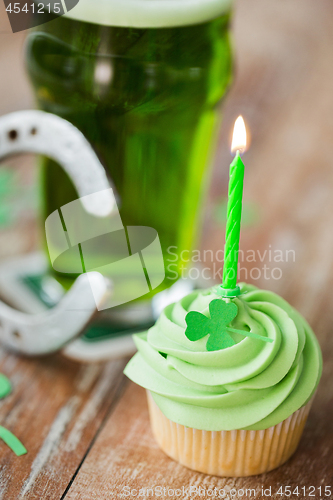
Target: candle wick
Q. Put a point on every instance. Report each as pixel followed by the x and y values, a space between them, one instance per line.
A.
pixel 240 151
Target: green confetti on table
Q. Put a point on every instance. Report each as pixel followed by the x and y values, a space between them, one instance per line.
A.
pixel 14 444
pixel 8 437
pixel 221 315
pixel 5 386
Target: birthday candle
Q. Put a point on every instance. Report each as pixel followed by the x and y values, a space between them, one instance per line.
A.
pixel 236 178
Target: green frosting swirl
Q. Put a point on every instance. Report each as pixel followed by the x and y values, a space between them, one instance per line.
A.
pixel 252 385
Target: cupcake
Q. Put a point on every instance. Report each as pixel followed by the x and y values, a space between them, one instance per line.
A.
pixel 236 409
pixel 230 371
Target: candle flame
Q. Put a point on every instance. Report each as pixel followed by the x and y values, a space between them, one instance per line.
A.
pixel 239 136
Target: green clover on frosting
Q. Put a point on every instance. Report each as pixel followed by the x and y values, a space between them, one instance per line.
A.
pixel 221 315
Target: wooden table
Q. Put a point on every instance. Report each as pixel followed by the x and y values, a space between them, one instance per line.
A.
pixel 86 427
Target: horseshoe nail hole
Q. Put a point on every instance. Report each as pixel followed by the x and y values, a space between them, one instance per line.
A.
pixel 12 135
pixel 33 131
pixel 16 334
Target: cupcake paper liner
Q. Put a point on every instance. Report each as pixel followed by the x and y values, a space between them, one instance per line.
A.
pixel 236 453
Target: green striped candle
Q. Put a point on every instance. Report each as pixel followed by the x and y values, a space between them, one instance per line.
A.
pixel 235 197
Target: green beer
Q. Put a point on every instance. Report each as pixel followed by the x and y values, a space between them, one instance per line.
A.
pixel 144 87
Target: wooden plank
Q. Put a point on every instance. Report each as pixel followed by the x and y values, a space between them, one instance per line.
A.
pixel 56 409
pixel 15 91
pixel 4 21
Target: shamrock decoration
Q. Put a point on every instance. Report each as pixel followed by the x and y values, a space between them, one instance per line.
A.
pixel 221 315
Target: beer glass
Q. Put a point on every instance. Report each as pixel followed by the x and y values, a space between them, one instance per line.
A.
pixel 143 81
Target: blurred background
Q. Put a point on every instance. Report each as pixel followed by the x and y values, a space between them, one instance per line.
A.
pixel 283 88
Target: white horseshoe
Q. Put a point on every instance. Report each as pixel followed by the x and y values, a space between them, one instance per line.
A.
pixel 47 134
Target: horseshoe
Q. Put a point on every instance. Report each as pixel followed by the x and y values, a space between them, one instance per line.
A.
pixel 47 134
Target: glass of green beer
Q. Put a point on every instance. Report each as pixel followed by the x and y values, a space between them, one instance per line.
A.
pixel 143 81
